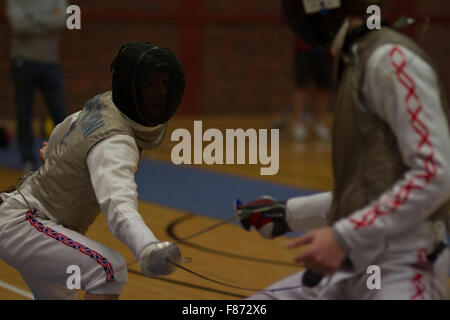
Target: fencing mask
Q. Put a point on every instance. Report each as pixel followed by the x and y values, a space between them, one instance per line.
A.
pixel 148 83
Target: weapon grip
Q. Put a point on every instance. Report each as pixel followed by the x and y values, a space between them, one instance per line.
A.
pixel 311 279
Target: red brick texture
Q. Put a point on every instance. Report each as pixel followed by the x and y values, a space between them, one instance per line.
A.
pixel 237 54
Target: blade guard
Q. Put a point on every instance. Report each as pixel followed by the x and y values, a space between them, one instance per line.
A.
pixel 239 214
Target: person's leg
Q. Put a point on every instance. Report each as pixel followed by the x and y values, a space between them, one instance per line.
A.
pixel 405 282
pixel 23 77
pixel 45 253
pixel 405 271
pixel 51 84
pixel 44 290
pixel 415 282
pixel 301 94
pixel 299 103
pixel 322 98
pixel 323 94
pixel 332 287
pixel 273 291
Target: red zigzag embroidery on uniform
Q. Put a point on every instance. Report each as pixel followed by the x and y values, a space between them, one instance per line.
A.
pixel 419 286
pixel 106 265
pixel 414 108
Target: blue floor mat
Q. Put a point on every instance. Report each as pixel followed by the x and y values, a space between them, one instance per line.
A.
pixel 187 188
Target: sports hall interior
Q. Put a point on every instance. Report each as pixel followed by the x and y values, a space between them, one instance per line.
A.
pixel 238 57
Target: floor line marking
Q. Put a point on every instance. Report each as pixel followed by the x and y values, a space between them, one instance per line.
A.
pixel 16 290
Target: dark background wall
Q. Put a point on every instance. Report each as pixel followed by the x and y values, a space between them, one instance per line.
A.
pixel 237 54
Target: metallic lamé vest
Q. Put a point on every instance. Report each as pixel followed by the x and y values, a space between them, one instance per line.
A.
pixel 62 185
pixel 366 158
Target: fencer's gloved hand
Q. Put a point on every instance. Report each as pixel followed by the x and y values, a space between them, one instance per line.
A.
pixel 154 259
pixel 265 214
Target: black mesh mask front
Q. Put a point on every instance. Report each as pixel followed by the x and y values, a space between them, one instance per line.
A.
pixel 148 83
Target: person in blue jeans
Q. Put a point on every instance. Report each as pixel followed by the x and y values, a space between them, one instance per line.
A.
pixel 36 28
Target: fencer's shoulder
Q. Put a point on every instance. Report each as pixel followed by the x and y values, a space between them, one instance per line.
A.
pixel 392 56
pixel 74 115
pixel 379 58
pixel 70 118
pixel 119 141
pixel 103 104
pixel 105 96
pixel 94 102
pixel 114 148
pixel 101 98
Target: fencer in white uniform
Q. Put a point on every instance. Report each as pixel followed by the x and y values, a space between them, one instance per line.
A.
pixel 391 164
pixel 89 165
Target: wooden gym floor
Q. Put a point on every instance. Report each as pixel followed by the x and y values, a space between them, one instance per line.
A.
pixel 227 254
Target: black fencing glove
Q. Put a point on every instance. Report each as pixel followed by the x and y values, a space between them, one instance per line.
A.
pixel 266 215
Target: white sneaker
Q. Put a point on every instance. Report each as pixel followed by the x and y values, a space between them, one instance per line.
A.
pixel 300 132
pixel 322 132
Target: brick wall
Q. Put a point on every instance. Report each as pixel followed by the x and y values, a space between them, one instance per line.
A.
pixel 237 53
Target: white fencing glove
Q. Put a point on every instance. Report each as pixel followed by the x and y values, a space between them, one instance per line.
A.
pixel 154 259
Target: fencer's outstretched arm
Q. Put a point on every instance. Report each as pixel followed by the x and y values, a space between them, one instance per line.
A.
pixel 112 165
pixel 308 212
pixel 402 89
